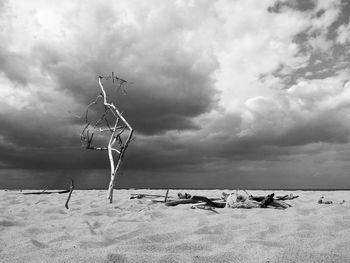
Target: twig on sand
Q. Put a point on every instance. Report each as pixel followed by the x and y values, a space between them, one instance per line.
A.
pixel 139 196
pixel 70 193
pixel 166 196
pixel 44 192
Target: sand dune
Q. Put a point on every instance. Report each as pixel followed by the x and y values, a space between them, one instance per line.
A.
pixel 38 228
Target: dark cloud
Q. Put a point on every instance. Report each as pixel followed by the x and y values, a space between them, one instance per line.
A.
pixel 187 133
pixel 300 5
pixel 169 86
pixel 15 66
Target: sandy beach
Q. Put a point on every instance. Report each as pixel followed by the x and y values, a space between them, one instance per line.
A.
pixel 38 228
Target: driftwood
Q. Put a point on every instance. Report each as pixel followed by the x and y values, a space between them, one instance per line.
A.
pixel 238 201
pixel 166 196
pixel 44 192
pixel 180 201
pixel 271 201
pixel 280 204
pixel 204 207
pixel 154 198
pixel 116 145
pixel 268 200
pixel 47 193
pixel 287 197
pixel 195 199
pixel 70 193
pixel 139 196
pixel 228 200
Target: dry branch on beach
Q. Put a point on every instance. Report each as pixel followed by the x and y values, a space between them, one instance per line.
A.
pixel 116 144
pixel 44 192
pixel 70 193
pixel 139 196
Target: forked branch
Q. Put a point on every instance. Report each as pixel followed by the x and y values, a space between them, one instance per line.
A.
pixel 121 127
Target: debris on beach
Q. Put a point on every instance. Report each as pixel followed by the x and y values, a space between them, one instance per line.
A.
pixel 227 200
pixel 44 192
pixel 140 196
pixel 328 202
pixel 321 201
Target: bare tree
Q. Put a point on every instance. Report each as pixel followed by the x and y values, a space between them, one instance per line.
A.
pixel 120 131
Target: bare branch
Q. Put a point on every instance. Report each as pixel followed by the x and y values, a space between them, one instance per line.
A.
pixel 86 109
pixel 116 130
pixel 70 193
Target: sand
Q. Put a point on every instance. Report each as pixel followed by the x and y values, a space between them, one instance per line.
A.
pixel 38 228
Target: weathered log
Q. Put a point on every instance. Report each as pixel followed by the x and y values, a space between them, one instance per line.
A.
pixel 267 200
pixel 139 196
pixel 195 199
pixel 47 193
pixel 286 197
pixel 180 201
pixel 279 204
pixel 208 201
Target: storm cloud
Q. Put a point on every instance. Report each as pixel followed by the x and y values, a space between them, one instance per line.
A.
pixel 219 92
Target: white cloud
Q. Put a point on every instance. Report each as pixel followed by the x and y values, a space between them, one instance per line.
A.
pixel 255 43
pixel 343 34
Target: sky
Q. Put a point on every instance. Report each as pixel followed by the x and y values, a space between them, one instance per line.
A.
pixel 223 94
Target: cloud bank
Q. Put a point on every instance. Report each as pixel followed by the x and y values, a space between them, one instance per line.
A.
pixel 250 94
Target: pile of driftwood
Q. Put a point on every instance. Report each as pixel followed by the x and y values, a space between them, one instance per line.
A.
pixel 232 200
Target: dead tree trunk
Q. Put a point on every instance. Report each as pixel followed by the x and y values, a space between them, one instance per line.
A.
pixel 113 139
pixel 116 145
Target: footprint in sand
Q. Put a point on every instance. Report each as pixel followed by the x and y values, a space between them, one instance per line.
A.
pixel 192 247
pixel 8 223
pixel 34 230
pixel 211 230
pixel 38 244
pixel 343 223
pixel 266 243
pixel 93 227
pixel 116 258
pixel 94 213
pixel 61 238
pixel 171 258
pixel 163 238
pixel 271 230
pixel 226 257
pixel 306 226
pixel 106 242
